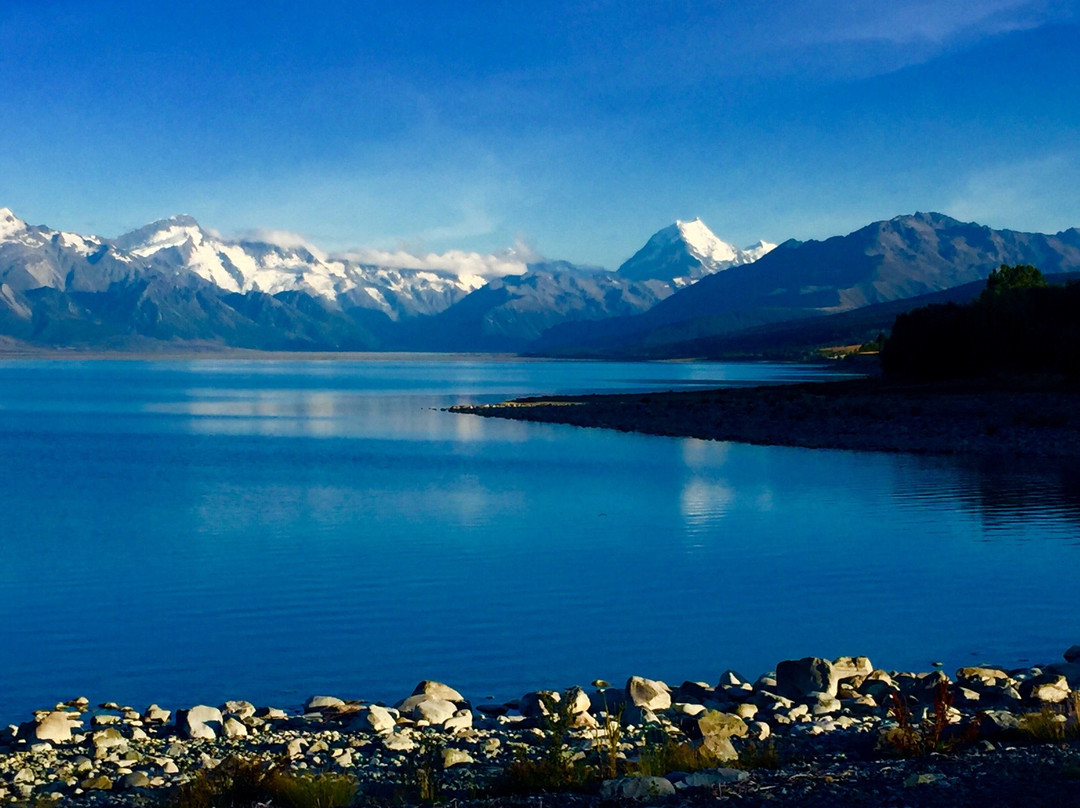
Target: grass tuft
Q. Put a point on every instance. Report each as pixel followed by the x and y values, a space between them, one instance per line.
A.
pixel 242 782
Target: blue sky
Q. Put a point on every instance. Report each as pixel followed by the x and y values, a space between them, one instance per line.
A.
pixel 577 128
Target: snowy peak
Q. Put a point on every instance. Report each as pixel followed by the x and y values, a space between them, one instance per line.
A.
pixel 703 243
pixel 10 224
pixel 686 251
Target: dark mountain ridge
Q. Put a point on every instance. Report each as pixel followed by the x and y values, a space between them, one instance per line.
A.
pixel 889 260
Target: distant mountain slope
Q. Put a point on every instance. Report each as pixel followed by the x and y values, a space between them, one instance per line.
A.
pixel 509 313
pixel 889 260
pixel 686 251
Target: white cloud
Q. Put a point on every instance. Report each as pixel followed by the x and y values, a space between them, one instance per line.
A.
pixel 1036 195
pixel 935 21
pixel 458 262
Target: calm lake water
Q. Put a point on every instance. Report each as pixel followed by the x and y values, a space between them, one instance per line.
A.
pixel 189 532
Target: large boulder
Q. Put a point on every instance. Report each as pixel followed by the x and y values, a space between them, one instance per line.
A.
pixel 975 676
pixel 847 667
pixel 715 724
pixel 200 721
pixel 435 711
pixel 317 704
pixel 241 709
pixel 437 690
pixel 1048 688
pixel 1070 670
pixel 648 694
pixel 717 729
pixel 798 678
pixel 156 715
pixel 107 741
pixel 536 704
pixel 380 719
pixel 55 726
pixel 1073 654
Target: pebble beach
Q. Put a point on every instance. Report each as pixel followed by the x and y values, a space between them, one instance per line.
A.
pixel 811 732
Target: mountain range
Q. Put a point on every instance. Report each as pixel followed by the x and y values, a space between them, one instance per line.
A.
pixel 176 285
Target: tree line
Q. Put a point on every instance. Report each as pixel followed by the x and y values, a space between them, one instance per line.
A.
pixel 1019 324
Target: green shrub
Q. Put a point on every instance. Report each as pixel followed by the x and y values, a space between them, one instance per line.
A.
pixel 658 760
pixel 753 756
pixel 1045 726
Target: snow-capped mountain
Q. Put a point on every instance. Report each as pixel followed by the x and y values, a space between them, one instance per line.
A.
pixel 175 282
pixel 179 244
pixel 685 252
pixel 35 257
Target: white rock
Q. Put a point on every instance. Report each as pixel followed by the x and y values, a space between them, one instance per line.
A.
pixel 455 757
pixel 56 726
pixel 437 690
pixel 758 731
pixel 459 721
pixel 317 703
pixel 241 709
pixel 200 721
pixel 156 715
pixel 649 694
pixel 380 719
pixel 435 711
pixel 399 742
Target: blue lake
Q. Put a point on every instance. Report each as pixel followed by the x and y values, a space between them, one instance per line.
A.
pixel 188 532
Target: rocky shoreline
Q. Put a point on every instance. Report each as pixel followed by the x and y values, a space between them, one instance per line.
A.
pixel 1033 418
pixel 813 732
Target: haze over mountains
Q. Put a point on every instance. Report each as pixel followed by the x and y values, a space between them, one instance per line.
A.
pixel 174 284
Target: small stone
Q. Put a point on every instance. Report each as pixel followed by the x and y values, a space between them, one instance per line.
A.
pixel 923 780
pixel 156 715
pixel 758 731
pixel 136 780
pixel 241 709
pixel 399 742
pixel 343 758
pixel 107 740
pixel 99 783
pixel 690 709
pixel 1073 654
pixel 710 778
pixel 455 757
pixel 825 705
pixel 997 722
pixel 462 720
pixel 646 790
